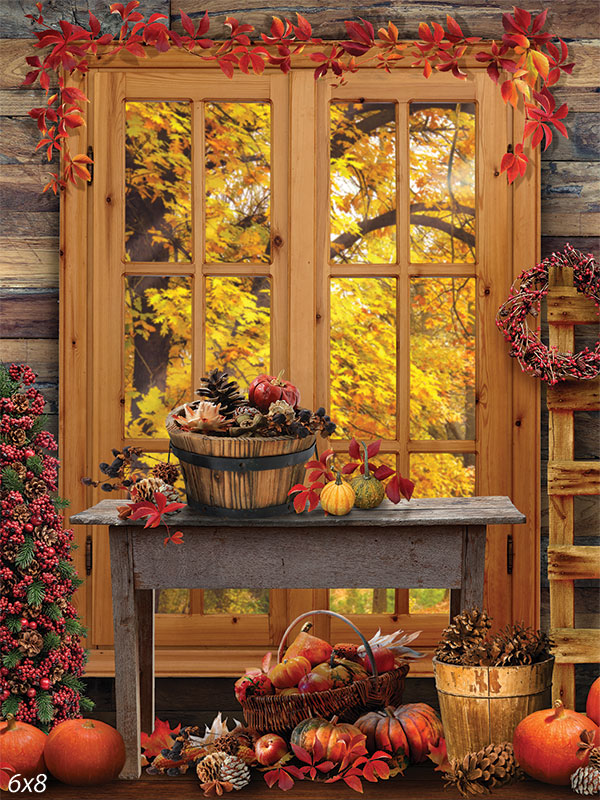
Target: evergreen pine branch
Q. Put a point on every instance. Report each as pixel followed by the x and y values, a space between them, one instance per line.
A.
pixel 35 593
pixel 10 660
pixel 74 627
pixel 51 641
pixel 26 553
pixel 66 569
pixel 45 707
pixel 11 706
pixel 60 503
pixel 53 612
pixel 11 481
pixel 8 387
pixel 13 624
pixel 71 682
pixel 38 426
pixel 35 464
pixel 86 704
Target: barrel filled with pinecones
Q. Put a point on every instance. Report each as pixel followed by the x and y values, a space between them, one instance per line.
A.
pixel 487 684
pixel 247 472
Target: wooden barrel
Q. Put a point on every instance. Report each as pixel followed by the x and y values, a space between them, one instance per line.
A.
pixel 481 705
pixel 238 475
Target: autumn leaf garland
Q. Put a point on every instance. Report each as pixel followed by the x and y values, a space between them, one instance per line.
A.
pixel 526 53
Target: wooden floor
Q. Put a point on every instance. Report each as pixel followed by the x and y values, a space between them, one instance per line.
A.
pixel 419 783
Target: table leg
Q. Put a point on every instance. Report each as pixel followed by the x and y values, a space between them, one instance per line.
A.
pixel 471 590
pixel 127 668
pixel 144 600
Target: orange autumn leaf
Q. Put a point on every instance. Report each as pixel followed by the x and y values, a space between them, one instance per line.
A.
pixel 159 739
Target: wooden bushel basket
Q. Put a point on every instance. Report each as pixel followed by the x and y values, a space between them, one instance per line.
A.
pixel 482 705
pixel 238 475
pixel 281 713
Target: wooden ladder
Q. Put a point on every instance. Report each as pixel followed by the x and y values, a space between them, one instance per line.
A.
pixel 568 478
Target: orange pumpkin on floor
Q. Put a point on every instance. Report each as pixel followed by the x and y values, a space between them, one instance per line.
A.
pixel 546 743
pixel 411 728
pixel 332 735
pixel 592 706
pixel 22 746
pixel 84 752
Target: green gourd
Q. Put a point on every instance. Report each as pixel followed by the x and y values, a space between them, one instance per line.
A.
pixel 369 491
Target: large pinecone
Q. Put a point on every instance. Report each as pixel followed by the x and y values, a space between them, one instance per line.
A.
pixel 516 645
pixel 167 473
pixel 479 773
pixel 221 390
pixel 466 632
pixel 35 488
pixel 30 643
pixel 146 488
pixel 46 535
pixel 210 767
pixel 586 780
pixel 240 743
pixel 234 771
pixel 21 513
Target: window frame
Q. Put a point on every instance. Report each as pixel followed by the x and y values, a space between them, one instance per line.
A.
pixel 79 430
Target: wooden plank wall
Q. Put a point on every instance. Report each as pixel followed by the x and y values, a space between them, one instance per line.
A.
pixel 29 220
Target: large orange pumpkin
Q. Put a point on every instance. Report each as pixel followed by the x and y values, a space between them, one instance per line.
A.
pixel 330 734
pixel 592 706
pixel 22 746
pixel 546 743
pixel 84 752
pixel 311 647
pixel 411 728
pixel 289 672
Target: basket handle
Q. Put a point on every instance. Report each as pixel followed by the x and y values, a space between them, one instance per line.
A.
pixel 337 616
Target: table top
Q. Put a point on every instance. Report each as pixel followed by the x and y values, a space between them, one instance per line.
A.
pixel 424 512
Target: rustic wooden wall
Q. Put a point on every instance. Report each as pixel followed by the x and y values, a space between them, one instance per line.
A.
pixel 29 220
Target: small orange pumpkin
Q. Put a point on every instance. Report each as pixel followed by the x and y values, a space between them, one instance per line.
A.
pixel 22 747
pixel 337 497
pixel 331 734
pixel 411 728
pixel 289 672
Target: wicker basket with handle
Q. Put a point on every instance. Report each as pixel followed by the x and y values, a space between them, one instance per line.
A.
pixel 281 713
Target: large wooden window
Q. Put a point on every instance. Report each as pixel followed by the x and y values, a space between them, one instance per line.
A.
pixel 360 238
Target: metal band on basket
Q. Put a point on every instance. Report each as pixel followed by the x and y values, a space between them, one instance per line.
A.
pixel 257 464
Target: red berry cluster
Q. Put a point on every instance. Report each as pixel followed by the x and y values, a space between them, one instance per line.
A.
pixel 34 550
pixel 525 298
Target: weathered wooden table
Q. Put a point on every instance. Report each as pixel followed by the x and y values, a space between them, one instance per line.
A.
pixel 425 543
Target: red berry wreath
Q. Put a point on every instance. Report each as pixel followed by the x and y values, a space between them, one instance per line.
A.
pixel 525 298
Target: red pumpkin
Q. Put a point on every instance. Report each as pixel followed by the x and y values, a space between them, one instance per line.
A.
pixel 267 389
pixel 411 728
pixel 311 647
pixel 592 706
pixel 384 660
pixel 313 682
pixel 289 672
pixel 22 746
pixel 546 743
pixel 330 734
pixel 255 684
pixel 84 752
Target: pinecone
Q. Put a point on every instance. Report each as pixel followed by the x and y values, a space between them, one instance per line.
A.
pixel 167 473
pixel 234 771
pixel 20 469
pixel 516 645
pixel 36 487
pixel 56 673
pixel 10 550
pixel 31 642
pixel 240 743
pixel 21 403
pixel 145 489
pixel 466 631
pixel 46 535
pixel 220 389
pixel 21 513
pixel 209 767
pixel 17 436
pixel 479 773
pixel 586 780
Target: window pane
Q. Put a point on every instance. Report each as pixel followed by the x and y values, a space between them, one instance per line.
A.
pixel 363 357
pixel 363 183
pixel 236 601
pixel 443 474
pixel 157 351
pixel 442 358
pixel 238 327
pixel 158 182
pixel 429 601
pixel 442 182
pixel 172 601
pixel 238 182
pixel 362 601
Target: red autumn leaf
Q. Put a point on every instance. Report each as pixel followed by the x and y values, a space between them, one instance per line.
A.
pixel 354 449
pixel 5 775
pixel 373 448
pixel 438 754
pixel 514 164
pixel 71 94
pixel 348 469
pixel 159 738
pixel 154 510
pixel 382 472
pixel 354 783
pixel 176 538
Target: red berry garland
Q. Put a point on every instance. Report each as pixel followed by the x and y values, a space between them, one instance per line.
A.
pixel 525 298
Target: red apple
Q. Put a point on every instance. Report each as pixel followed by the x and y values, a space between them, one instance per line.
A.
pixel 313 682
pixel 384 659
pixel 269 749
